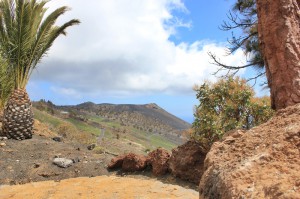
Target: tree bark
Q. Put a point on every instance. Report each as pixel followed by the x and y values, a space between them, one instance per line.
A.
pixel 279 35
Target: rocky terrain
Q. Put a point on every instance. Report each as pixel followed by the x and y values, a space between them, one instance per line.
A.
pixel 185 162
pixel 263 162
pixel 33 160
pixel 63 163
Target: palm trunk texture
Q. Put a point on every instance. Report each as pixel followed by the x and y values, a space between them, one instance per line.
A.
pixel 18 116
pixel 279 35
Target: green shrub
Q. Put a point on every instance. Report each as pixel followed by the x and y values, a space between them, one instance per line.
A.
pixel 99 150
pixel 226 105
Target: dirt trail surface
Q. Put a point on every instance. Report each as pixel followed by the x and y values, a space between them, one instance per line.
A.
pixel 103 187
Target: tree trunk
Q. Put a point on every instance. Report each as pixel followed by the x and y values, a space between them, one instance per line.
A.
pixel 279 35
pixel 18 116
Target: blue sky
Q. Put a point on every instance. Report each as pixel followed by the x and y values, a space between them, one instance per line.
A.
pixel 135 52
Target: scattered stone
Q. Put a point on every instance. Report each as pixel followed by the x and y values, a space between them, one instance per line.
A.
pixel 36 165
pixel 75 160
pixel 2 144
pixel 3 138
pixel 187 161
pixel 91 147
pixel 62 162
pixel 57 155
pixel 47 175
pixel 159 160
pixel 57 139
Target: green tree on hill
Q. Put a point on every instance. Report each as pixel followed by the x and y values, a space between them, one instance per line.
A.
pixel 226 105
pixel 26 35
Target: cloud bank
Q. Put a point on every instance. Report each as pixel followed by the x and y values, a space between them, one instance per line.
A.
pixel 122 47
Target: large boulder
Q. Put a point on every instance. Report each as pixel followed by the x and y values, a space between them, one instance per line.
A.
pixel 187 161
pixel 129 162
pixel 134 162
pixel 159 160
pixel 261 163
pixel 116 163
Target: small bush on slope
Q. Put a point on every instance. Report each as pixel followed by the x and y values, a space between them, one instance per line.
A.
pixel 225 105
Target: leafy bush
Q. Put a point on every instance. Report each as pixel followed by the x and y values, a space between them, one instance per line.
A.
pixel 99 150
pixel 225 105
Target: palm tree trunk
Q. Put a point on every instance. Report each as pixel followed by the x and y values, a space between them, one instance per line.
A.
pixel 279 35
pixel 18 116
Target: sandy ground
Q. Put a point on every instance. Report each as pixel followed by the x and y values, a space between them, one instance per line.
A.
pixel 104 187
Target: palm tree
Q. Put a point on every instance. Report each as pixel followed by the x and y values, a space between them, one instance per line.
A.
pixel 26 35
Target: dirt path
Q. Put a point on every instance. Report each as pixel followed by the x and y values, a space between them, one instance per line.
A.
pixel 104 187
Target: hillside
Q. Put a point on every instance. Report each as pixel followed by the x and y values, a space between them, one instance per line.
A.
pixel 114 128
pixel 149 117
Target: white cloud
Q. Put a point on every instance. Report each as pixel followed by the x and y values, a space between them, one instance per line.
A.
pixel 66 92
pixel 122 47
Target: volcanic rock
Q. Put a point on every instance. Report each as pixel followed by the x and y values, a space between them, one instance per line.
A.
pixel 129 162
pixel 57 139
pixel 187 161
pixel 134 162
pixel 116 162
pixel 91 146
pixel 159 160
pixel 62 162
pixel 261 163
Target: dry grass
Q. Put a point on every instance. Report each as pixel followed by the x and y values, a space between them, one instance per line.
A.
pixel 69 131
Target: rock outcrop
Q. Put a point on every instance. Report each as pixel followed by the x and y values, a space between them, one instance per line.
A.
pixel 129 162
pixel 116 163
pixel 159 160
pixel 187 161
pixel 263 162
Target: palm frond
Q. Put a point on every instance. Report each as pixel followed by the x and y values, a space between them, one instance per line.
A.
pixel 26 35
pixel 6 83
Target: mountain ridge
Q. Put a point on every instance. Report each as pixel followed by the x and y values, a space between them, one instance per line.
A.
pixel 148 118
pixel 150 109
